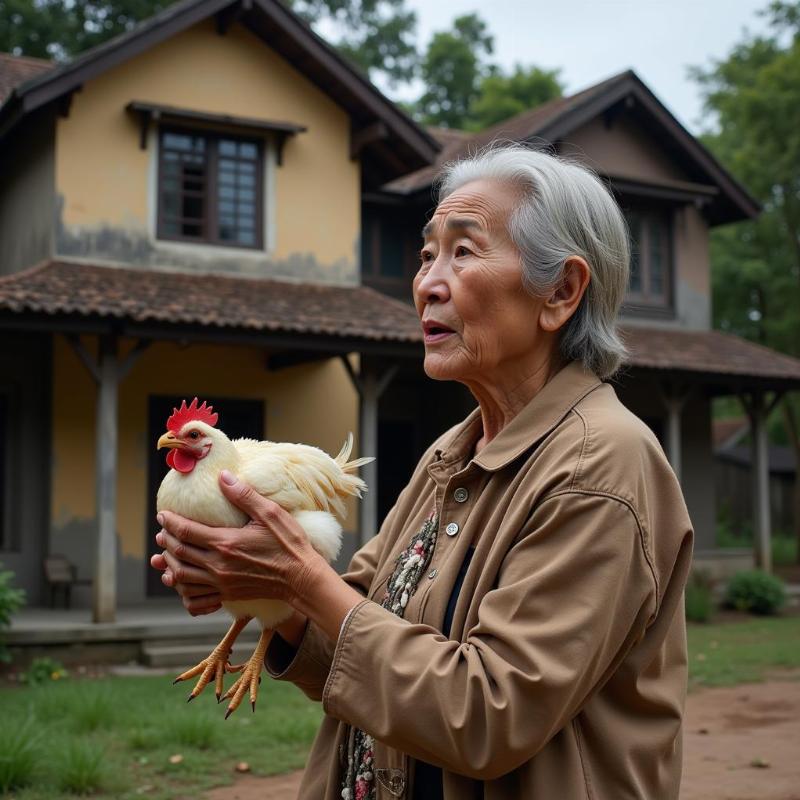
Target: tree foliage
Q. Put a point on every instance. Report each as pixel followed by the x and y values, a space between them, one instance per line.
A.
pixel 63 28
pixel 502 96
pixel 376 35
pixel 466 90
pixel 452 70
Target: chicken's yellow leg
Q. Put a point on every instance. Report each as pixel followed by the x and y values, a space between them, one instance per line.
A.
pixel 250 677
pixel 217 662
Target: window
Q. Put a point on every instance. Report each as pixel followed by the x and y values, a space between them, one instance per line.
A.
pixel 651 256
pixel 210 189
pixel 385 250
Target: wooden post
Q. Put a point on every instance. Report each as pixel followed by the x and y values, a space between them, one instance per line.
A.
pixel 107 372
pixel 674 401
pixel 105 568
pixel 759 410
pixel 370 386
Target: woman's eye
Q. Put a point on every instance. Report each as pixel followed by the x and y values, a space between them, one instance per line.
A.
pixel 461 251
pixel 425 256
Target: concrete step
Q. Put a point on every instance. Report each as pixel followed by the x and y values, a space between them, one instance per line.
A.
pixel 186 654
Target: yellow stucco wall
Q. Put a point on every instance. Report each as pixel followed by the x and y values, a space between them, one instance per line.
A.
pixel 102 174
pixel 314 404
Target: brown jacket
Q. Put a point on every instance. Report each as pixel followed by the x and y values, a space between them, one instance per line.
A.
pixel 566 672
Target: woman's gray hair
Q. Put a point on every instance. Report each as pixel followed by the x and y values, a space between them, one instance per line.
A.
pixel 565 210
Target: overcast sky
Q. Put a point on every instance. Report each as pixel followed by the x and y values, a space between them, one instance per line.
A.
pixel 593 39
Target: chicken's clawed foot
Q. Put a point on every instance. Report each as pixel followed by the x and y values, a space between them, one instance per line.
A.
pixel 250 677
pixel 216 665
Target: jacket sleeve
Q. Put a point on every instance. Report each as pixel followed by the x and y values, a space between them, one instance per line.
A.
pixel 308 666
pixel 574 593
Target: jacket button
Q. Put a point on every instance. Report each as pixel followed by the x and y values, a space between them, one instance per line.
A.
pixel 461 495
pixel 452 529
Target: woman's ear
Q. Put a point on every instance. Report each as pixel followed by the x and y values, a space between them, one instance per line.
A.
pixel 564 301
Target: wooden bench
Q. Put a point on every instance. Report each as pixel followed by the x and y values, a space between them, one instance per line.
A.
pixel 62 575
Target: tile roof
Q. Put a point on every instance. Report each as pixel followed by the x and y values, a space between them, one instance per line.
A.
pixel 264 305
pixel 213 301
pixel 711 352
pixel 15 70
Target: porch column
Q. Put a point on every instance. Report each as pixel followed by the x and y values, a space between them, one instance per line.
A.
pixel 674 401
pixel 370 386
pixel 107 372
pixel 105 564
pixel 758 410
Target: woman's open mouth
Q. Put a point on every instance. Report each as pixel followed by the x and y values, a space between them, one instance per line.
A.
pixel 436 332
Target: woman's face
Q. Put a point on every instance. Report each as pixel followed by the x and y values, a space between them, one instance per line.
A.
pixel 478 320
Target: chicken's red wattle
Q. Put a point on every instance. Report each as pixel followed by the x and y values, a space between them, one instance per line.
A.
pixel 181 461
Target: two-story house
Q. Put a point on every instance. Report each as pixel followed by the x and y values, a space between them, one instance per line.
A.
pixel 216 204
pixel 180 216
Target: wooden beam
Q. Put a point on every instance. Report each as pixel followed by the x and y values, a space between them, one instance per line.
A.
pixel 758 409
pixel 359 139
pixel 105 567
pixel 290 358
pixel 674 398
pixel 370 385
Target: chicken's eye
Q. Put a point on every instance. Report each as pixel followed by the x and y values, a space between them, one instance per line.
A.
pixel 194 434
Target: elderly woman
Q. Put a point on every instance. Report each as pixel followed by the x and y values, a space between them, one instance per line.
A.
pixel 515 629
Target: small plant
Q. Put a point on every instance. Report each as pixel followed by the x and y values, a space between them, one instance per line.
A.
pixel 80 768
pixel 699 597
pixel 43 670
pixel 756 592
pixel 194 731
pixel 11 600
pixel 94 709
pixel 17 756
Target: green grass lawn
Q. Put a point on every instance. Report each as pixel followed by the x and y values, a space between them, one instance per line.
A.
pixel 742 652
pixel 114 737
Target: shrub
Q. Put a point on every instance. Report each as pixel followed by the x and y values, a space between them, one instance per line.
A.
pixel 43 670
pixel 11 600
pixel 755 591
pixel 699 597
pixel 17 756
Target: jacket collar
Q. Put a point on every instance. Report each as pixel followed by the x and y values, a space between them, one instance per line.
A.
pixel 543 413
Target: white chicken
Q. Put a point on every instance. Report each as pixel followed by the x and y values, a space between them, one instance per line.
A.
pixel 304 480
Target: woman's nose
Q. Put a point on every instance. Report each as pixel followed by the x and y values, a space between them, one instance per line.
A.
pixel 432 287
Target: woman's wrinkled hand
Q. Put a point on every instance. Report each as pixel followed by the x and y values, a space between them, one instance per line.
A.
pixel 270 557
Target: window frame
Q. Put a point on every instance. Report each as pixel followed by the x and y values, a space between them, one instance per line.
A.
pixel 644 301
pixel 211 197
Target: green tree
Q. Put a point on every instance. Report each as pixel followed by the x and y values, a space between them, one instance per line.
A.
pixel 376 35
pixel 753 96
pixel 63 28
pixel 502 96
pixel 452 70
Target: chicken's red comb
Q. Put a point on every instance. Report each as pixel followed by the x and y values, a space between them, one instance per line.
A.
pixel 191 413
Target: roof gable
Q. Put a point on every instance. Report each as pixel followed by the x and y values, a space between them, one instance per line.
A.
pixel 553 122
pixel 388 140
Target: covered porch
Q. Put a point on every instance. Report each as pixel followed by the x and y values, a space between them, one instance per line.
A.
pixel 113 341
pixel 670 380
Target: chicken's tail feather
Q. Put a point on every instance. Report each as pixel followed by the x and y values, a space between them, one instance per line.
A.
pixel 344 454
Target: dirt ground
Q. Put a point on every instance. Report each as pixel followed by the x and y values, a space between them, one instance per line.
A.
pixel 741 743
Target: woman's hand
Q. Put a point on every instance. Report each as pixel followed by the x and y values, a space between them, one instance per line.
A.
pixel 270 557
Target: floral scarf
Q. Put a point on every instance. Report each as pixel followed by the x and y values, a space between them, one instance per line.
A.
pixel 358 782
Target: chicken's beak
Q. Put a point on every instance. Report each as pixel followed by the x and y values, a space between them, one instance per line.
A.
pixel 170 440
